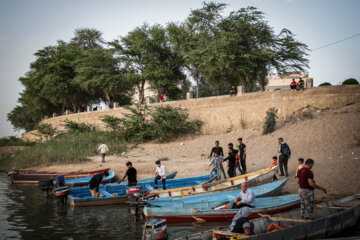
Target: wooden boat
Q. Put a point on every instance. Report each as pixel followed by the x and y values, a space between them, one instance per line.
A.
pixel 204 211
pixel 330 218
pixel 265 190
pixel 116 193
pixel 252 179
pixel 34 178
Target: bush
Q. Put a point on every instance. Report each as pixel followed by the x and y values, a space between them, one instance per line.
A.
pixel 74 127
pixel 350 81
pixel 14 141
pixel 169 123
pixel 325 84
pixel 270 121
pixel 45 130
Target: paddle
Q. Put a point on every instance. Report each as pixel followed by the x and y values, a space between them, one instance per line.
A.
pixel 284 219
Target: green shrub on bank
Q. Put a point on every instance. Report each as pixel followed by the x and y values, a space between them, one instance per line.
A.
pixel 75 127
pixel 270 121
pixel 350 81
pixel 14 141
pixel 325 84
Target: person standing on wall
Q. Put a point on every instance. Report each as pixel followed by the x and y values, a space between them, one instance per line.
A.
pixel 160 174
pixel 285 154
pixel 293 85
pixel 306 182
pixel 219 150
pixel 242 155
pixel 103 148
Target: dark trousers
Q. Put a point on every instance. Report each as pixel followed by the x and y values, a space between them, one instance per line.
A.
pixel 243 164
pixel 283 163
pixel 242 205
pixel 132 184
pixel 238 228
pixel 237 166
pixel 103 157
pixel 231 171
pixel 163 181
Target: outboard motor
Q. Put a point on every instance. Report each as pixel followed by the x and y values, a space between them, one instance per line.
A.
pixel 155 229
pixel 134 193
pixel 62 193
pixel 60 181
pixel 46 185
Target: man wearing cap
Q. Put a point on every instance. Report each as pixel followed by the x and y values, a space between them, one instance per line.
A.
pixel 131 174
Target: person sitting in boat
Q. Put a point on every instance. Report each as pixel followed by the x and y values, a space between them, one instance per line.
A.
pixel 241 217
pixel 217 168
pixel 273 164
pixel 300 166
pixel 95 182
pixel 160 174
pixel 246 198
pixel 131 174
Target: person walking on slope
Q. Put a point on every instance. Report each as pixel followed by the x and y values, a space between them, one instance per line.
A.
pixel 160 174
pixel 307 185
pixel 242 155
pixel 103 148
pixel 285 154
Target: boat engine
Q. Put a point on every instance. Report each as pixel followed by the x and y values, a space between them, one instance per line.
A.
pixel 60 181
pixel 62 193
pixel 155 229
pixel 46 185
pixel 134 193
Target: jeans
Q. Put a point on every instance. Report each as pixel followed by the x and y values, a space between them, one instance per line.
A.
pixel 103 157
pixel 163 181
pixel 215 171
pixel 223 171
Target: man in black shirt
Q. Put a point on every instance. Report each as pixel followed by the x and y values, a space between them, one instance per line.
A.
pixel 217 150
pixel 242 155
pixel 231 157
pixel 94 183
pixel 131 174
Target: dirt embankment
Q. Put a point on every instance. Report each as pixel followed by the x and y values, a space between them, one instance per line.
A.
pixel 330 137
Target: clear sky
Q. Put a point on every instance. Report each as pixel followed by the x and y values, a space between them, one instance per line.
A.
pixel 29 25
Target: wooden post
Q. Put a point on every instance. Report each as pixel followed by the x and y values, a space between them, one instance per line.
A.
pixel 189 95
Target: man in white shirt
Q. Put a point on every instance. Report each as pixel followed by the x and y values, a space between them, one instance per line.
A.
pixel 160 174
pixel 246 198
pixel 103 148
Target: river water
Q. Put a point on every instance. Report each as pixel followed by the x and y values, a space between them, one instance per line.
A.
pixel 25 213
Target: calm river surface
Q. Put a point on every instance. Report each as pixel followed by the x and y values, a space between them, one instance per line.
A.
pixel 25 213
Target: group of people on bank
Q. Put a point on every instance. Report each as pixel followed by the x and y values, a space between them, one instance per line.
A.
pixel 246 199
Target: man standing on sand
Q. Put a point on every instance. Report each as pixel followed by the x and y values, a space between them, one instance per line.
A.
pixel 216 162
pixel 307 185
pixel 217 149
pixel 242 155
pixel 285 154
pixel 131 174
pixel 103 148
pixel 160 174
pixel 232 160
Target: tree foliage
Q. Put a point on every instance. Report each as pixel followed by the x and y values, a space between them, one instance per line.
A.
pixel 214 49
pixel 270 121
pixel 350 81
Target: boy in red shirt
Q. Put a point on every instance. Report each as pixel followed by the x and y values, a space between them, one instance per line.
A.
pixel 273 164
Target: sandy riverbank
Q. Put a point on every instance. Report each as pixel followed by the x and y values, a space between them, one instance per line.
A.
pixel 328 138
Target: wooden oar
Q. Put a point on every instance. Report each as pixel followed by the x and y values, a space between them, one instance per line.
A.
pixel 199 220
pixel 284 219
pixel 332 207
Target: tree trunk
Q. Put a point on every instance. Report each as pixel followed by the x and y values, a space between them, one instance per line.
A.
pixel 141 92
pixel 108 99
pixel 243 81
